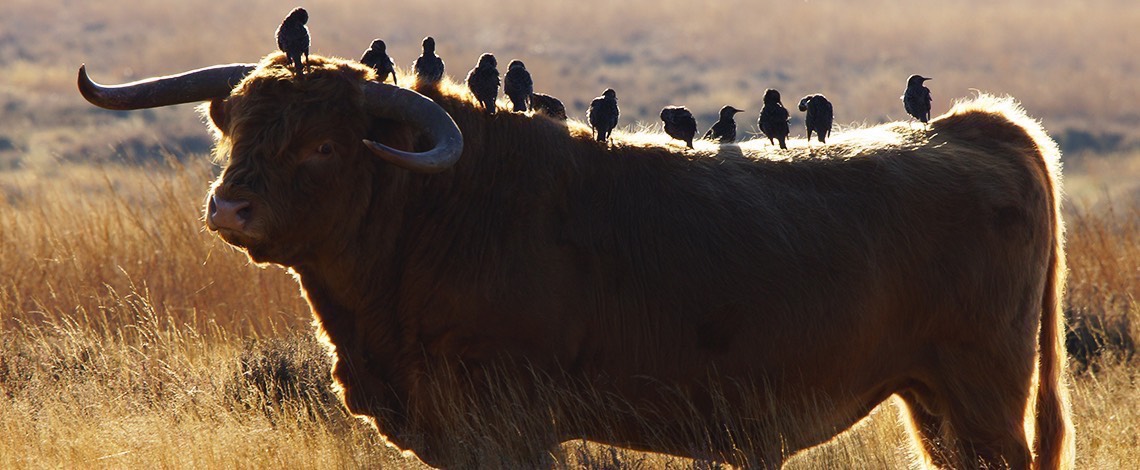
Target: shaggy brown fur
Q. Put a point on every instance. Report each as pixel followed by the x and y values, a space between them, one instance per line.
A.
pixel 927 264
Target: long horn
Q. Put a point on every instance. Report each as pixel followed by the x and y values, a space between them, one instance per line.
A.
pixel 196 85
pixel 401 104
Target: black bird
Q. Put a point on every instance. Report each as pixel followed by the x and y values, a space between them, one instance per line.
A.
pixel 428 66
pixel 774 118
pixel 483 81
pixel 603 115
pixel 819 116
pixel 293 38
pixel 377 57
pixel 916 99
pixel 518 86
pixel 724 130
pixel 680 124
pixel 548 105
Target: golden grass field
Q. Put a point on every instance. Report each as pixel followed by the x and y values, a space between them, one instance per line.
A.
pixel 131 337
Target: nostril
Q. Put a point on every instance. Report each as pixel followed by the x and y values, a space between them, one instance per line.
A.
pixel 212 208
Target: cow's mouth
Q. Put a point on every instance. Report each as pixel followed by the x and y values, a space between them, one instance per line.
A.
pixel 235 238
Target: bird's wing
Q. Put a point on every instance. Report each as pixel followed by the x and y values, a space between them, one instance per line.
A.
pixel 690 123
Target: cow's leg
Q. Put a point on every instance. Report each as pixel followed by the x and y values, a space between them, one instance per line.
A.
pixel 928 429
pixel 982 394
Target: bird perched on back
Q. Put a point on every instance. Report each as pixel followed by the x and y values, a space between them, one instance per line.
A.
pixel 518 86
pixel 819 116
pixel 603 115
pixel 483 81
pixel 680 124
pixel 377 57
pixel 428 66
pixel 548 105
pixel 293 38
pixel 774 118
pixel 724 130
pixel 916 99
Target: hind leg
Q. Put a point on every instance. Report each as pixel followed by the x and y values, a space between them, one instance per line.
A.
pixel 973 413
pixel 929 430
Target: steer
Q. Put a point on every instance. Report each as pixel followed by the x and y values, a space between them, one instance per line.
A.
pixel 493 285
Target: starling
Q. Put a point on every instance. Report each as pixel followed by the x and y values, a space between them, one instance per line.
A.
pixel 774 119
pixel 603 115
pixel 548 105
pixel 293 38
pixel 483 81
pixel 428 66
pixel 724 130
pixel 518 86
pixel 819 116
pixel 916 99
pixel 680 124
pixel 377 57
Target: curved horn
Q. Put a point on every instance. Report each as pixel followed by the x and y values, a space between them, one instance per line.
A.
pixel 189 87
pixel 407 106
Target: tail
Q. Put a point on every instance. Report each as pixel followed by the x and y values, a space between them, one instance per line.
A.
pixel 1053 444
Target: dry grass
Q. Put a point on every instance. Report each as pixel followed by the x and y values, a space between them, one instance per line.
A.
pixel 131 338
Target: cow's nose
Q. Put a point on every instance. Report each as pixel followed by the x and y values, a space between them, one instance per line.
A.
pixel 227 214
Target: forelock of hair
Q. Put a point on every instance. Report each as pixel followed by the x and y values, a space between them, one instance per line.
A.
pixel 272 108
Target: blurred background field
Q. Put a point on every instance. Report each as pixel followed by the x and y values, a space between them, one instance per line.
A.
pixel 1071 63
pixel 130 336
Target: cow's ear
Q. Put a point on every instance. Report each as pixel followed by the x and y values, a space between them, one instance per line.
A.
pixel 218 115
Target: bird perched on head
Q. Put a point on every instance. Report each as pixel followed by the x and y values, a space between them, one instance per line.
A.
pixel 724 130
pixel 377 57
pixel 548 105
pixel 916 99
pixel 680 124
pixel 774 119
pixel 483 81
pixel 428 66
pixel 518 86
pixel 603 115
pixel 819 116
pixel 293 38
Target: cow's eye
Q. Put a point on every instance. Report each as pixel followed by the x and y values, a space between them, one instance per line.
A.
pixel 325 148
